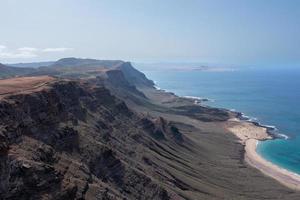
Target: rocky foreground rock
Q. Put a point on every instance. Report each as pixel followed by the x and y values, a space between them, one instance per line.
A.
pixel 72 141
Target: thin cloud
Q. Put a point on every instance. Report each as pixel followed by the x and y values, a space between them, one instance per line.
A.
pixel 30 49
pixel 27 52
pixel 60 49
pixel 23 52
pixel 10 55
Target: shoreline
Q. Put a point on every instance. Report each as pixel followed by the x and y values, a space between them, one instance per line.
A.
pixel 282 175
pixel 249 135
pixel 250 132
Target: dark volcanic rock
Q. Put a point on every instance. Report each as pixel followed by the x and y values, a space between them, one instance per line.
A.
pixel 134 76
pixel 70 141
pixel 118 80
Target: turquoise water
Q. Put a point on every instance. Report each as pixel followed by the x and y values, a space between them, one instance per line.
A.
pixel 271 97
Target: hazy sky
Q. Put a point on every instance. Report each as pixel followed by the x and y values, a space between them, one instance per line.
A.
pixel 223 31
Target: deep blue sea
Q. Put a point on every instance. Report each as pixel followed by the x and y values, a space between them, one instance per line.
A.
pixel 270 96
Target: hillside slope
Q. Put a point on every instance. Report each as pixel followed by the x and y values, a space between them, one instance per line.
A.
pixel 8 71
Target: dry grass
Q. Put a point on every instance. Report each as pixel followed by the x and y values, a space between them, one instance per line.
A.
pixel 23 84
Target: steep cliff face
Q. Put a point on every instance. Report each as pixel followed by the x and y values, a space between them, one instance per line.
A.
pixel 73 141
pixel 120 75
pixel 134 76
pixel 117 80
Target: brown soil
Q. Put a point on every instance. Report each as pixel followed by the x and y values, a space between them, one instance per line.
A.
pixel 23 84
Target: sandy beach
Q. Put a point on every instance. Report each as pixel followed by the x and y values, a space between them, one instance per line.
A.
pixel 249 135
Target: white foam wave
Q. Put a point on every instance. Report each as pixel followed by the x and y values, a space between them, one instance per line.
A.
pixel 156 87
pixel 252 119
pixel 199 98
pixel 249 118
pixel 193 97
pixel 283 136
pixel 270 127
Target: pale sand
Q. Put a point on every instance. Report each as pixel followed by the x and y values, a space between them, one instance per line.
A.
pixel 250 135
pixel 246 130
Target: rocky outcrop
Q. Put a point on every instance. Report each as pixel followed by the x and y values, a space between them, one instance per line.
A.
pixel 161 129
pixel 134 76
pixel 116 79
pixel 73 141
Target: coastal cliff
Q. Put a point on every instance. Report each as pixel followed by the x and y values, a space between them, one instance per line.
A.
pixel 94 132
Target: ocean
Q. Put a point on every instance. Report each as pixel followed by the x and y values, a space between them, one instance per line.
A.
pixel 270 97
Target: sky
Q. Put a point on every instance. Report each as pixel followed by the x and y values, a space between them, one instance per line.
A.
pixel 240 32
